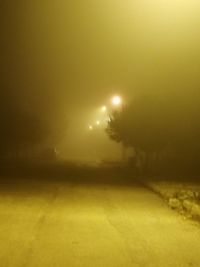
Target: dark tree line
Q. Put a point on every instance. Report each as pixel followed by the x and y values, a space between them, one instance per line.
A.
pixel 165 129
pixel 20 130
pixel 24 132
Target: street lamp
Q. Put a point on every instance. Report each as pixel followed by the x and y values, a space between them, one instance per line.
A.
pixel 104 108
pixel 116 100
pixel 97 122
pixel 90 127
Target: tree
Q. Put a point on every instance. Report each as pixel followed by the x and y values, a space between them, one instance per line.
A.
pixel 20 130
pixel 154 123
pixel 140 125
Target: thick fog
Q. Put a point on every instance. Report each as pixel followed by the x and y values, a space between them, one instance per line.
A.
pixel 62 60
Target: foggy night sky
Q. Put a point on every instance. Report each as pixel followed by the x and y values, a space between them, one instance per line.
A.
pixel 61 60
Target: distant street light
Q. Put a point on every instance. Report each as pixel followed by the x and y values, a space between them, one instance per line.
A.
pixel 90 127
pixel 104 108
pixel 116 100
pixel 104 119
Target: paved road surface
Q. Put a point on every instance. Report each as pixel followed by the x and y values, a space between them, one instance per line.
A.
pixel 102 224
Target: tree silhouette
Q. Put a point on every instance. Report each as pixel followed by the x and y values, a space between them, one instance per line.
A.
pixel 156 124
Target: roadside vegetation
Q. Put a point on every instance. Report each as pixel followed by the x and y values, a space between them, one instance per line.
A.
pixel 163 131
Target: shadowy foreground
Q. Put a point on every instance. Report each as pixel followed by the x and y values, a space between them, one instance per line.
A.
pixel 70 216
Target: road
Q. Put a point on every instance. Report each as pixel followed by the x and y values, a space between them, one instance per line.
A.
pixel 91 224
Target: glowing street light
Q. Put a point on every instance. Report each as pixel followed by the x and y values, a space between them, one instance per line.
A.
pixel 116 100
pixel 90 127
pixel 97 122
pixel 104 108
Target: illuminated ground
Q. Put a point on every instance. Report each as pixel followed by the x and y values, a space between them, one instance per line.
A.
pixel 91 224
